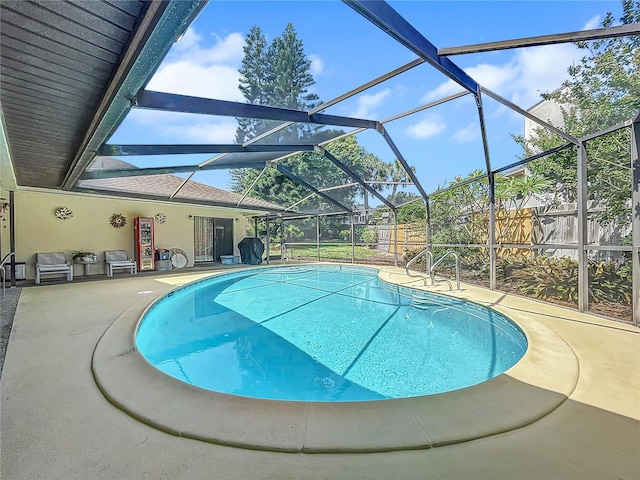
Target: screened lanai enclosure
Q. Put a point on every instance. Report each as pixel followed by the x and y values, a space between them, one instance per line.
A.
pixel 556 216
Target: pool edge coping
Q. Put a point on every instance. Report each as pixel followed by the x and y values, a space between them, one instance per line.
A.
pixel 530 390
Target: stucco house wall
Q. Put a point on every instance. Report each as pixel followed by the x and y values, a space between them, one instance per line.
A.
pixel 37 229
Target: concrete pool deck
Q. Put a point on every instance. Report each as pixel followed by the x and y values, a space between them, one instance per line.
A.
pixel 570 410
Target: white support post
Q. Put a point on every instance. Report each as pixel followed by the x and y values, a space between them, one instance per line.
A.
pixel 318 235
pixel 492 232
pixel 353 241
pixel 635 219
pixel 583 264
pixel 395 238
pixel 427 233
pixel 268 242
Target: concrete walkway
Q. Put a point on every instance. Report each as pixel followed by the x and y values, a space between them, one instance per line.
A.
pixel 56 423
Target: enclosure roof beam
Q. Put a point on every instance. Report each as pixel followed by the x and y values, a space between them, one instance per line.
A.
pixel 139 172
pixel 424 107
pixel 356 177
pixel 326 189
pixel 382 15
pixel 483 132
pixel 310 187
pixel 396 117
pixel 524 161
pixel 290 207
pixel 595 34
pixel 129 150
pixel 253 184
pixel 179 200
pixel 181 186
pixel 537 120
pixel 611 129
pixel 402 161
pixel 459 184
pixel 322 106
pixel 170 102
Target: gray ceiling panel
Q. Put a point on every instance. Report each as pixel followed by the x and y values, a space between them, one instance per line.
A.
pixel 32 30
pixel 48 68
pixel 110 13
pixel 25 108
pixel 30 76
pixel 132 7
pixel 39 94
pixel 45 44
pixel 58 61
pixel 45 14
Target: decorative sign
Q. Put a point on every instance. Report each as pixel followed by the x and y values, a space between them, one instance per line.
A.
pixel 63 213
pixel 117 220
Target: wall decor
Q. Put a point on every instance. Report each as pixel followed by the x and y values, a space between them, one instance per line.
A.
pixel 63 213
pixel 161 218
pixel 117 220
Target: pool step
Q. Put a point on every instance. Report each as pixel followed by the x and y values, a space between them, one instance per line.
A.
pixel 423 303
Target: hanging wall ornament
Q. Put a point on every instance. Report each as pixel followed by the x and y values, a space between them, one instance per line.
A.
pixel 63 213
pixel 117 220
pixel 161 218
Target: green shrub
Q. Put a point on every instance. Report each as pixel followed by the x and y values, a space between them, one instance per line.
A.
pixel 557 278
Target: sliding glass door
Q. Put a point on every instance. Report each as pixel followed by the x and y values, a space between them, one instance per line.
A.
pixel 212 237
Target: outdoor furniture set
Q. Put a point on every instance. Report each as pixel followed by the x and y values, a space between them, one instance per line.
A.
pixel 55 263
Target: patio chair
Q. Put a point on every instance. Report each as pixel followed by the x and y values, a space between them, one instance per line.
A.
pixel 115 259
pixel 52 263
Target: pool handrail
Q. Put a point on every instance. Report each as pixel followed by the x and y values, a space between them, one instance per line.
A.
pixel 455 255
pixel 414 259
pixel 3 270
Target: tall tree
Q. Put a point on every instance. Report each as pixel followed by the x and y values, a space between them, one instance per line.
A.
pixel 278 75
pixel 399 174
pixel 602 90
pixel 284 81
pixel 254 82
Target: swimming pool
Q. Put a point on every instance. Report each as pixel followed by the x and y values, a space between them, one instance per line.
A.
pixel 324 333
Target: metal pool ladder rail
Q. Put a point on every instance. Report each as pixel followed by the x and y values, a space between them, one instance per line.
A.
pixel 455 255
pixel 414 259
pixel 3 272
pixel 433 265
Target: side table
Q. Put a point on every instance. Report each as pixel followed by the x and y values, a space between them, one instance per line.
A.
pixel 87 265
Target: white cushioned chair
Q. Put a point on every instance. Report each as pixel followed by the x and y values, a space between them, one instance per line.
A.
pixel 52 263
pixel 115 259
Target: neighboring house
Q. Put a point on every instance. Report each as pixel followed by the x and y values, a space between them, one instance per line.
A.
pixel 559 223
pixel 550 112
pixel 164 185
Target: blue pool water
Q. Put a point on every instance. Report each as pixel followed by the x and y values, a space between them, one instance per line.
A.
pixel 324 333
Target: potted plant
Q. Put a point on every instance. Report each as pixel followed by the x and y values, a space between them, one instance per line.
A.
pixel 85 257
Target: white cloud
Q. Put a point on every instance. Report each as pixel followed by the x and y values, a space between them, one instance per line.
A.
pixel 426 128
pixel 317 65
pixel 192 46
pixel 203 71
pixel 529 72
pixel 205 132
pixel 541 69
pixel 189 40
pixel 592 23
pixel 189 78
pixel 196 69
pixel 185 127
pixel 466 134
pixel 490 76
pixel 368 102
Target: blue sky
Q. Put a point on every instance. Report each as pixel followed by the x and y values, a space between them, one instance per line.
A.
pixel 347 51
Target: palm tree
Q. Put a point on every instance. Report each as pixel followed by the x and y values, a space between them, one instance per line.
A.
pixel 398 174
